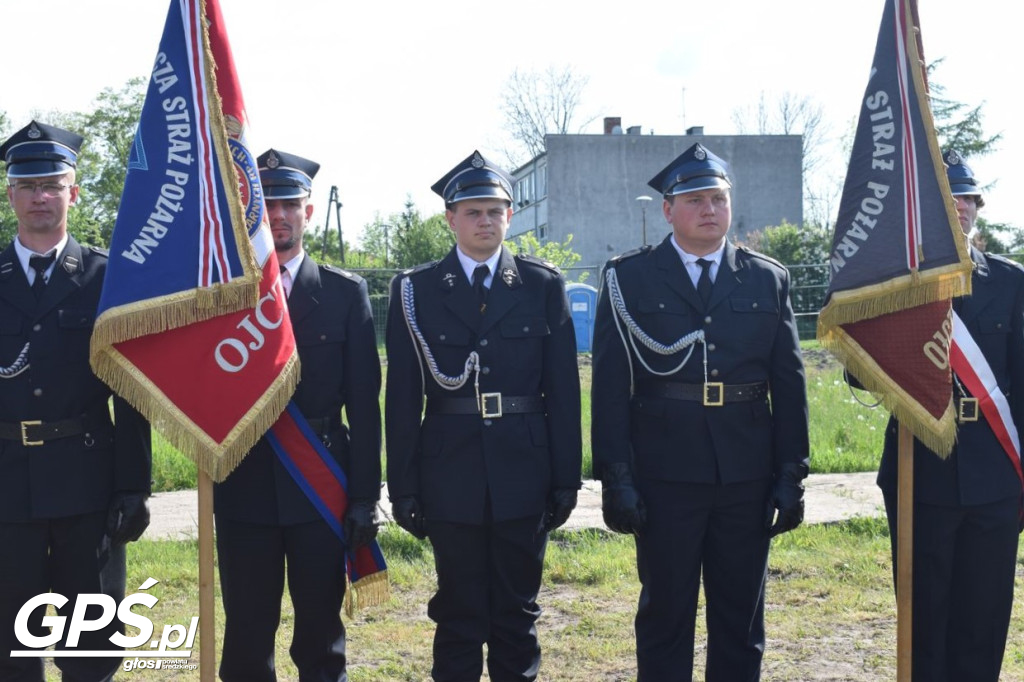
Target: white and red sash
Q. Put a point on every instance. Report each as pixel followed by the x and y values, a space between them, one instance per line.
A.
pixel 977 376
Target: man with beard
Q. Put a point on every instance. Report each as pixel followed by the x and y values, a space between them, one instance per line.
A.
pixel 267 528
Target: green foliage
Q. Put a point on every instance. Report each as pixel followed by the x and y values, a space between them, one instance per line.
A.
pixel 109 131
pixel 559 253
pixel 958 126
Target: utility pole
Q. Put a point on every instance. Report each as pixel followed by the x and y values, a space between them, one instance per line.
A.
pixel 336 203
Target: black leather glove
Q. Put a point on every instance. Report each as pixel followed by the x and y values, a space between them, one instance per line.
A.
pixel 788 498
pixel 561 502
pixel 127 517
pixel 407 514
pixel 360 523
pixel 621 505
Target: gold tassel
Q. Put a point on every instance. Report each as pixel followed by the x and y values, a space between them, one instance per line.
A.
pixel 371 590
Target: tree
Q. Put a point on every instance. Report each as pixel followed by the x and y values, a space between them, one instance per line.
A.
pixel 419 241
pixel 957 126
pixel 8 221
pixel 538 104
pixel 557 253
pixel 791 114
pixel 103 162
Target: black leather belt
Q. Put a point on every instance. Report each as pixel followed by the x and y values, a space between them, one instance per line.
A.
pixel 35 432
pixel 712 394
pixel 491 405
pixel 324 425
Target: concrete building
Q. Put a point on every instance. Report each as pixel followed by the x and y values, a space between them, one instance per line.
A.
pixel 592 187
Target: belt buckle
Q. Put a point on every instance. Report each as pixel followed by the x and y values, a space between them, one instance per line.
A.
pixel 714 394
pixel 24 433
pixel 485 412
pixel 968 410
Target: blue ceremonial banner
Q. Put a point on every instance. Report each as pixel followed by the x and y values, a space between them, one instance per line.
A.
pixel 193 329
pixel 180 236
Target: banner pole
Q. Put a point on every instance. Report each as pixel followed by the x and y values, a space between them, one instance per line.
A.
pixel 207 629
pixel 905 556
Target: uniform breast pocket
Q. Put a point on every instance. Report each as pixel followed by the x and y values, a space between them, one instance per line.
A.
pixel 319 337
pixel 757 317
pixel 524 328
pixel 665 319
pixel 75 327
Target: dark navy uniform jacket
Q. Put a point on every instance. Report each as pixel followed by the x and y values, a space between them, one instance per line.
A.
pixel 78 474
pixel 751 337
pixel 527 347
pixel 333 325
pixel 978 471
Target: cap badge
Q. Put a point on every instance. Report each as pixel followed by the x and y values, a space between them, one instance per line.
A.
pixel 699 153
pixel 953 157
pixel 478 161
pixel 273 161
pixel 34 133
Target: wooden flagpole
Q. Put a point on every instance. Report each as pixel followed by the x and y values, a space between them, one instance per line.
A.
pixel 905 557
pixel 207 625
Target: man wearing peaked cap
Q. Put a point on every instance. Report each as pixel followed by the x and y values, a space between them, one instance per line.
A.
pixel 268 531
pixel 967 506
pixel 485 338
pixel 700 428
pixel 73 482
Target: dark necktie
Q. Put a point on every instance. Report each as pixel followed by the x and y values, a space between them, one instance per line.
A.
pixel 704 282
pixel 479 275
pixel 40 264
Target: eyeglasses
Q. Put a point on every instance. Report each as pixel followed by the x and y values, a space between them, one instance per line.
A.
pixel 49 189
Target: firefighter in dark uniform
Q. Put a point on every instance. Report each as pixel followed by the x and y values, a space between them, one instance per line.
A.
pixel 494 464
pixel 967 506
pixel 267 528
pixel 699 424
pixel 73 483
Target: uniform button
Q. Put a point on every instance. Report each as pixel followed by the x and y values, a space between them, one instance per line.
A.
pixel 755 304
pixel 487 422
pixel 36 327
pixel 483 342
pixel 714 372
pixel 711 346
pixel 661 305
pixel 707 320
pixel 37 392
pixel 999 325
pixel 526 329
pixel 442 337
pixel 485 370
pixel 323 337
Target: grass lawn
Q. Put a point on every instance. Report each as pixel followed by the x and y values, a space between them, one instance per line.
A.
pixel 830 613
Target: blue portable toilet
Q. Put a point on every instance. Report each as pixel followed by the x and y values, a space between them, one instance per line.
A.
pixel 583 307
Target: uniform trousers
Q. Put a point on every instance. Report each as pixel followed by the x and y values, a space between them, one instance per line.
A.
pixel 253 559
pixel 717 530
pixel 488 578
pixel 964 563
pixel 68 556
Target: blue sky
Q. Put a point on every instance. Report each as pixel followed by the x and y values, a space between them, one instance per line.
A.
pixel 388 96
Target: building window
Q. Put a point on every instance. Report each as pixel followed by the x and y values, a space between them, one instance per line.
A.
pixel 542 232
pixel 542 182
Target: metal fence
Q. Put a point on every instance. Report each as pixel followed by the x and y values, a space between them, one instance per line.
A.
pixel 808 286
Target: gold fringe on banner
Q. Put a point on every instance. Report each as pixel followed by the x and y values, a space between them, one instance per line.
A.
pixel 372 590
pixel 939 435
pixel 891 296
pixel 216 459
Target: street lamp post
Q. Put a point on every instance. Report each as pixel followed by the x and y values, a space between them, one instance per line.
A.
pixel 644 200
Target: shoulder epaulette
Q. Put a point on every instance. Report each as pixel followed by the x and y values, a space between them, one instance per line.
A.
pixel 334 269
pixel 100 250
pixel 530 258
pixel 757 254
pixel 1004 260
pixel 630 254
pixel 419 268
